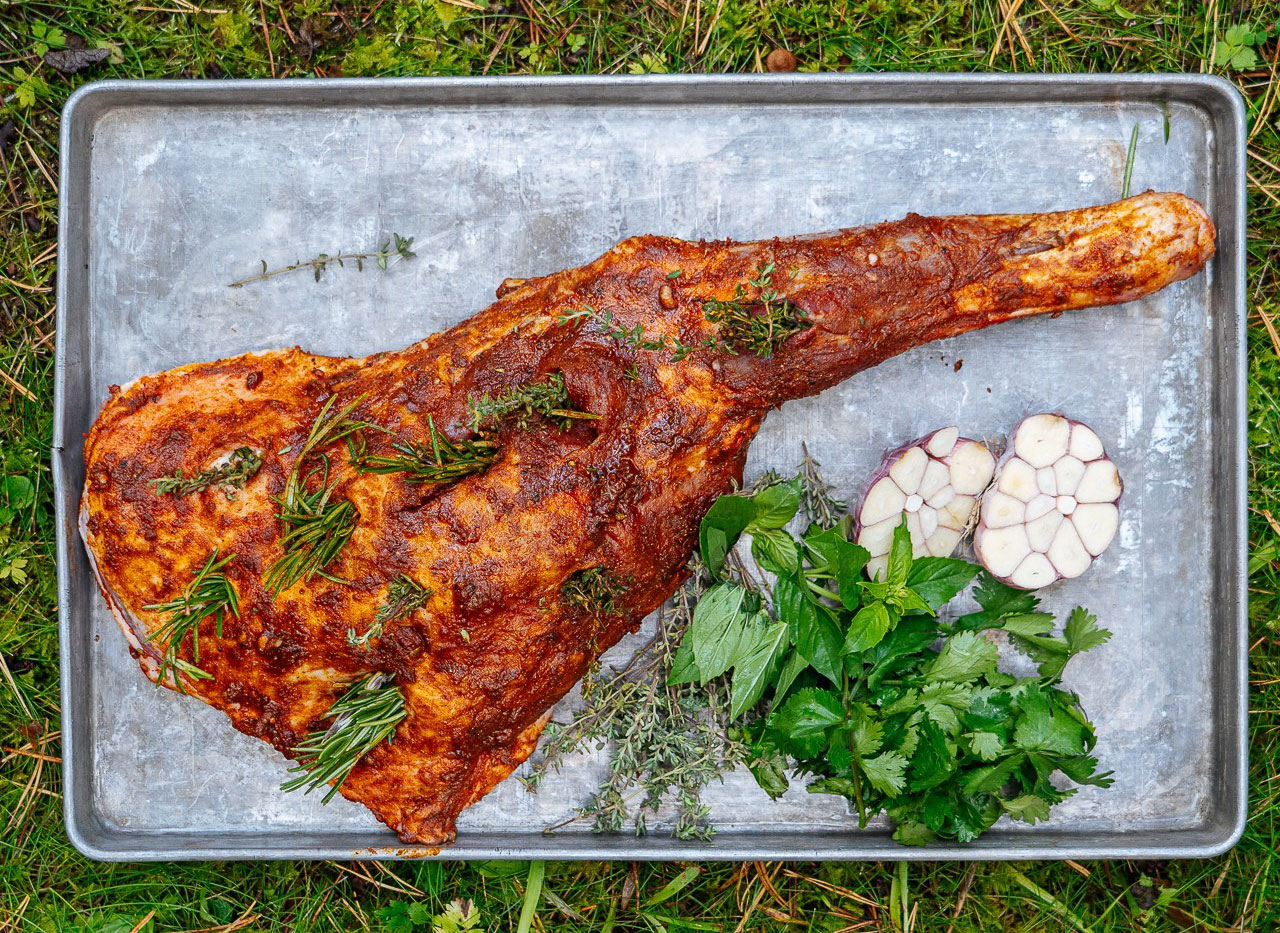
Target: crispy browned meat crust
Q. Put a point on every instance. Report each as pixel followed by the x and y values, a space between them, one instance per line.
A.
pixel 497 646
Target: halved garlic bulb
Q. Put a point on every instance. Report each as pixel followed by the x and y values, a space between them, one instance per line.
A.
pixel 936 481
pixel 1053 508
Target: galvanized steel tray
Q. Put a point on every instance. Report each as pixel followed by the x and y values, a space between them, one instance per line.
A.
pixel 170 190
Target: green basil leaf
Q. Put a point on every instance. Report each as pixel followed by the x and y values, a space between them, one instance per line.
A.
pixel 770 772
pixel 791 667
pixel 867 629
pixel 684 669
pixel 775 550
pixel 721 631
pixel 938 580
pixel 775 505
pixel 813 631
pixel 721 527
pixel 899 555
pixel 845 560
pixel 752 674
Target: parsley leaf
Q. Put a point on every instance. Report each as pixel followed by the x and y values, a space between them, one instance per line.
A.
pixel 886 772
pixel 964 657
pixel 986 745
pixel 1027 807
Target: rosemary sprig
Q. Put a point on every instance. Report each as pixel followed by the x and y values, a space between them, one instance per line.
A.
pixel 595 590
pixel 317 526
pixel 521 403
pixel 760 324
pixel 440 460
pixel 396 246
pixel 405 596
pixel 239 468
pixel 634 336
pixel 209 594
pixel 366 714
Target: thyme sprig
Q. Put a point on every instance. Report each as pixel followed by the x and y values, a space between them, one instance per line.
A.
pixel 317 525
pixel 595 590
pixel 397 246
pixel 209 594
pixel 665 742
pixel 759 324
pixel 239 468
pixel 440 460
pixel 405 596
pixel 634 336
pixel 365 716
pixel 520 404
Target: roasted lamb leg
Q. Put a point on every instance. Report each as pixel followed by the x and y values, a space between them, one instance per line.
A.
pixel 599 412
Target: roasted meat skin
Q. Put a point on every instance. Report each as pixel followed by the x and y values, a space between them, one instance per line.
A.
pixel 497 645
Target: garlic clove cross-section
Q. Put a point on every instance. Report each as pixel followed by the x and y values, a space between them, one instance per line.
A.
pixel 1054 505
pixel 936 481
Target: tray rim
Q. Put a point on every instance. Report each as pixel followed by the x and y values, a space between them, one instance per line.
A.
pixel 1225 111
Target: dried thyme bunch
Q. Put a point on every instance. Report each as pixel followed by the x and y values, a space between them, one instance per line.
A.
pixel 665 742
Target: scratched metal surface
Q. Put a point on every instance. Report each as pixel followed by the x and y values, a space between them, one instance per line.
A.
pixel 174 193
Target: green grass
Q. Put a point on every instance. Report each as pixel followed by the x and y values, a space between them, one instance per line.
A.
pixel 45 885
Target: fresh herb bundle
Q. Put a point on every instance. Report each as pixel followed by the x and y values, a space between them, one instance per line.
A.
pixel 839 678
pixel 548 399
pixel 317 524
pixel 365 716
pixel 405 596
pixel 240 467
pixel 440 460
pixel 759 324
pixel 665 741
pixel 210 594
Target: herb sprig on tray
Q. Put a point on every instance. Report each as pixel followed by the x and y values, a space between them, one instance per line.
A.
pixel 209 595
pixel 399 246
pixel 858 685
pixel 757 319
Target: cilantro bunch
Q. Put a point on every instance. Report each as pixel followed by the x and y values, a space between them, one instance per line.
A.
pixel 858 684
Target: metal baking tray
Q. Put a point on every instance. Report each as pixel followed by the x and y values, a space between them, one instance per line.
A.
pixel 170 190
